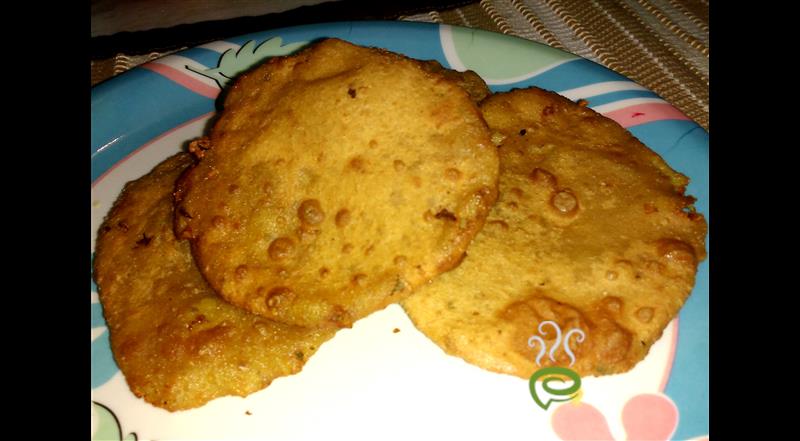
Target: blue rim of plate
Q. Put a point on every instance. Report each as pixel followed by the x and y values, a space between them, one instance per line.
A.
pixel 134 108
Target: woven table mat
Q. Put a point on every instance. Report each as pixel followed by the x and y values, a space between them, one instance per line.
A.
pixel 660 44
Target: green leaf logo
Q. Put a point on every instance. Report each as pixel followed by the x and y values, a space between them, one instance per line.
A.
pixel 232 63
pixel 554 374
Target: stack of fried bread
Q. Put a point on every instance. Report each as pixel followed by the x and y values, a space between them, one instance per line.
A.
pixel 342 179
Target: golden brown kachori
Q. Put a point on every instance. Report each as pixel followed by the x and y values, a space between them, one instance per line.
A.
pixel 178 344
pixel 335 182
pixel 592 230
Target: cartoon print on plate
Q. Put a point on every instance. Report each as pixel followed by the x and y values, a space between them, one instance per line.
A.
pixel 105 426
pixel 208 78
pixel 645 417
pixel 233 62
pixel 519 59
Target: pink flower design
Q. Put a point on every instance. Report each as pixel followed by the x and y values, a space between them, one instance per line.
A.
pixel 646 417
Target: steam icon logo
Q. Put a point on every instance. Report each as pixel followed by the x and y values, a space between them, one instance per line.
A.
pixel 549 376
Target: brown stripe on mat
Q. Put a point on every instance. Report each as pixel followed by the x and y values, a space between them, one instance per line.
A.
pixel 579 28
pixel 538 26
pixel 499 21
pixel 435 17
pixel 690 24
pixel 101 70
pixel 561 29
pixel 471 16
pixel 697 13
pixel 693 56
pixel 683 34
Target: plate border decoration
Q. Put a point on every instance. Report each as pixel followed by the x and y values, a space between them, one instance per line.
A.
pixel 125 120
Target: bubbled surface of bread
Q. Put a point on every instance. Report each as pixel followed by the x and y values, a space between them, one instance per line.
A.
pixel 591 230
pixel 334 182
pixel 178 344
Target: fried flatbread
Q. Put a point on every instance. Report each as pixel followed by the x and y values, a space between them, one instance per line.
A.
pixel 591 230
pixel 468 80
pixel 334 182
pixel 176 342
